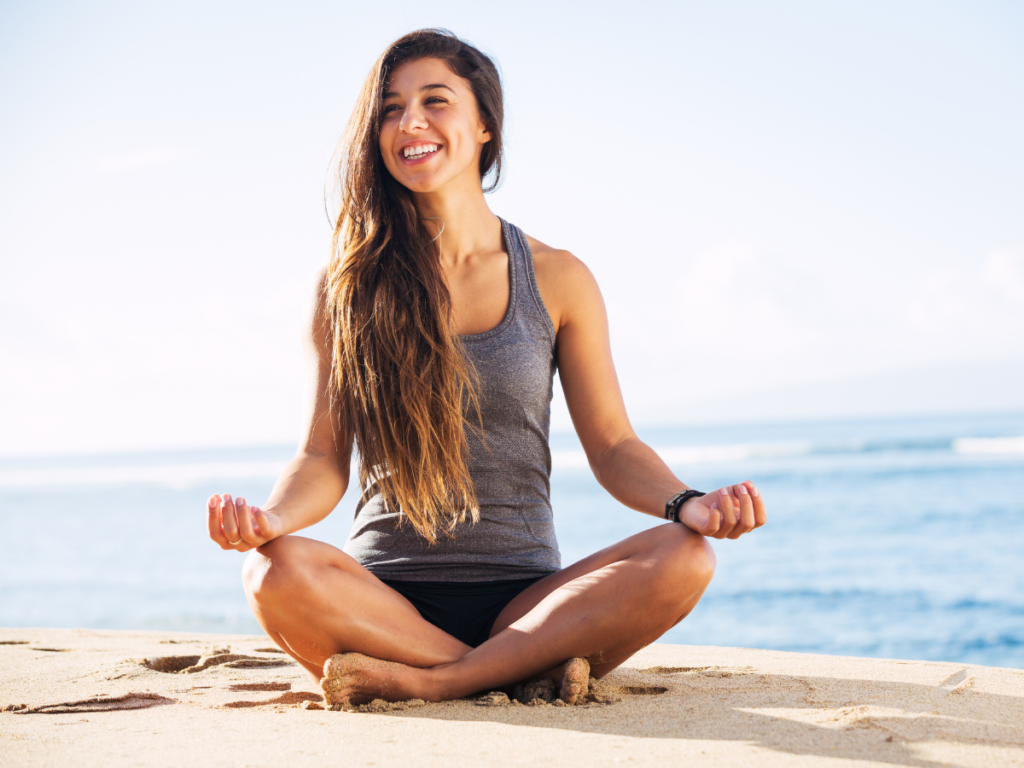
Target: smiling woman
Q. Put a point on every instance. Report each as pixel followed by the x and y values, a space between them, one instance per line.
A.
pixel 438 329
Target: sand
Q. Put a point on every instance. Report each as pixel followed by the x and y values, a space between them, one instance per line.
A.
pixel 113 698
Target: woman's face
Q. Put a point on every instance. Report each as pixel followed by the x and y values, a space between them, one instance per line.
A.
pixel 431 133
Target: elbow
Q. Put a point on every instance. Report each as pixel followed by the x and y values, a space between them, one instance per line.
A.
pixel 604 459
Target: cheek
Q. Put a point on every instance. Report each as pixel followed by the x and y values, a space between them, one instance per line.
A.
pixel 382 147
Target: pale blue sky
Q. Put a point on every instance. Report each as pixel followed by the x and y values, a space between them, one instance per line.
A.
pixel 774 197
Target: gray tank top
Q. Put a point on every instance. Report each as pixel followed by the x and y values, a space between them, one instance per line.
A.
pixel 515 536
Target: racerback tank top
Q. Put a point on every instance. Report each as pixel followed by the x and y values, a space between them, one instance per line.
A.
pixel 515 536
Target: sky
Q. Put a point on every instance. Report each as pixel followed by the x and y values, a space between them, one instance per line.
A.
pixel 794 209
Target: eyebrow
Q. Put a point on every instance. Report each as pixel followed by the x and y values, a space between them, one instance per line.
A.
pixel 389 94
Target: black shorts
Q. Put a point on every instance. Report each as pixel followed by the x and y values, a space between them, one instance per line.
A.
pixel 466 610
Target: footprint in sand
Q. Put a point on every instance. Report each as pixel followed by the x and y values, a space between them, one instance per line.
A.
pixel 191 664
pixel 291 697
pixel 99 704
pixel 261 687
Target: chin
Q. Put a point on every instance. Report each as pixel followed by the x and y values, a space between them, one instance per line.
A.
pixel 421 185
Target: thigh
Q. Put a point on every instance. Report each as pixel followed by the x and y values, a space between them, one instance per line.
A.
pixel 320 601
pixel 651 547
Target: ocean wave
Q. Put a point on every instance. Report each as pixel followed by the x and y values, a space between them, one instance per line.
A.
pixel 190 474
pixel 731 452
pixel 989 445
pixel 695 454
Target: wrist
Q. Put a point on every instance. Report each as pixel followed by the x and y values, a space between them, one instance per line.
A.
pixel 674 506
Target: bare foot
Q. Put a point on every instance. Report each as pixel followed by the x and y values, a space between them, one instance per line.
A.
pixel 575 681
pixel 352 678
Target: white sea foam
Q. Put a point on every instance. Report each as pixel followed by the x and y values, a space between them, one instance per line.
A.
pixel 698 454
pixel 701 454
pixel 989 445
pixel 187 475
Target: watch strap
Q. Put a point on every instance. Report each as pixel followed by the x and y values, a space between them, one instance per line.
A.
pixel 675 504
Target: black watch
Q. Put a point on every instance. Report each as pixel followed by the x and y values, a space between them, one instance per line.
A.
pixel 676 503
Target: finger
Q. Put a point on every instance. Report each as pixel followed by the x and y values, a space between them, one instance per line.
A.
pixel 213 521
pixel 242 512
pixel 746 511
pixel 725 505
pixel 229 521
pixel 760 516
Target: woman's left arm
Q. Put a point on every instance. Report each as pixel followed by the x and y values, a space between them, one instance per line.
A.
pixel 623 464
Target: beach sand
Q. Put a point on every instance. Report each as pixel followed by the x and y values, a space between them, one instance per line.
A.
pixel 120 698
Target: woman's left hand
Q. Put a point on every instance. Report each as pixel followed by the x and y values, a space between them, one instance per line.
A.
pixel 727 513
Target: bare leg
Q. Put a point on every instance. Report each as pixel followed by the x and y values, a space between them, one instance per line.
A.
pixel 603 608
pixel 314 601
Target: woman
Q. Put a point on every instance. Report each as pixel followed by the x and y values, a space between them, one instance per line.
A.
pixel 438 328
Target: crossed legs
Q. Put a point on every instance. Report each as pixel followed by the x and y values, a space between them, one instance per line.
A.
pixel 316 601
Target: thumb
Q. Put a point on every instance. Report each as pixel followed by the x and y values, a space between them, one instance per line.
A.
pixel 714 522
pixel 268 530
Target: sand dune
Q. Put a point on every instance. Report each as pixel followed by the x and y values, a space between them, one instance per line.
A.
pixel 111 698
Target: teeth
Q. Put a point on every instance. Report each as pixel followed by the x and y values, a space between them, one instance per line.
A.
pixel 420 150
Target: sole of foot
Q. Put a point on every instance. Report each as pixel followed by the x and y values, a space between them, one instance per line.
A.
pixel 352 678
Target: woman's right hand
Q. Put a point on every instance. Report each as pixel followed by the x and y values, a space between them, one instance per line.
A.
pixel 235 525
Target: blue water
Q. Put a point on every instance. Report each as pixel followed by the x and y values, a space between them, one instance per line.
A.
pixel 894 538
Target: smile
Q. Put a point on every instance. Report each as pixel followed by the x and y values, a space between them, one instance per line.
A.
pixel 420 152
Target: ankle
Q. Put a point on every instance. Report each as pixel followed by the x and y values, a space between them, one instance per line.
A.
pixel 437 683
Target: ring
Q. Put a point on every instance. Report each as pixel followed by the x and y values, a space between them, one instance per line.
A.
pixel 232 543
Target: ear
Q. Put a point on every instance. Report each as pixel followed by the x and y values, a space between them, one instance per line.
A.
pixel 485 135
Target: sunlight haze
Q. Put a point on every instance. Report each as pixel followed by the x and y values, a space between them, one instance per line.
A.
pixel 794 210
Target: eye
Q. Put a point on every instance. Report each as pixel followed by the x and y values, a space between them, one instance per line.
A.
pixel 389 108
pixel 436 100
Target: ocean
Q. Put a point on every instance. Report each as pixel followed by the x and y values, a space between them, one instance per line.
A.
pixel 894 538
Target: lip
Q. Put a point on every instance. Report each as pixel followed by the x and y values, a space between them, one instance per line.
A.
pixel 419 159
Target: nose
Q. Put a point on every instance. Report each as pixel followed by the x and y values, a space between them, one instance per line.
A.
pixel 412 119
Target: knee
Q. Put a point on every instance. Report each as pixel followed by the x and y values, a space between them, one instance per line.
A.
pixel 685 561
pixel 271 570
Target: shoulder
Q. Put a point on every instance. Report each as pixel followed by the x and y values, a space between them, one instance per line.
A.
pixel 566 283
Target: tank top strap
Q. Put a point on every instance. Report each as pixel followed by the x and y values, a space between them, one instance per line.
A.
pixel 523 283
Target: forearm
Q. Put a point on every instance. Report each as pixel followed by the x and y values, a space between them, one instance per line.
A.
pixel 636 476
pixel 308 489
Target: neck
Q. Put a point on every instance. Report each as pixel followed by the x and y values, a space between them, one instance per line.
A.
pixel 469 226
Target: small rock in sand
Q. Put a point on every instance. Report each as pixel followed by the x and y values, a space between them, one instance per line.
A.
pixel 493 699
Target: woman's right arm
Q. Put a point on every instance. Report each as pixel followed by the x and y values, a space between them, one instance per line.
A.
pixel 314 481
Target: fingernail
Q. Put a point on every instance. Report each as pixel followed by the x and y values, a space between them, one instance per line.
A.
pixel 754 491
pixel 240 501
pixel 715 505
pixel 212 502
pixel 227 498
pixel 723 492
pixel 743 489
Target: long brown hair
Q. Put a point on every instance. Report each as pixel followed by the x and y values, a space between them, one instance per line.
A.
pixel 401 382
